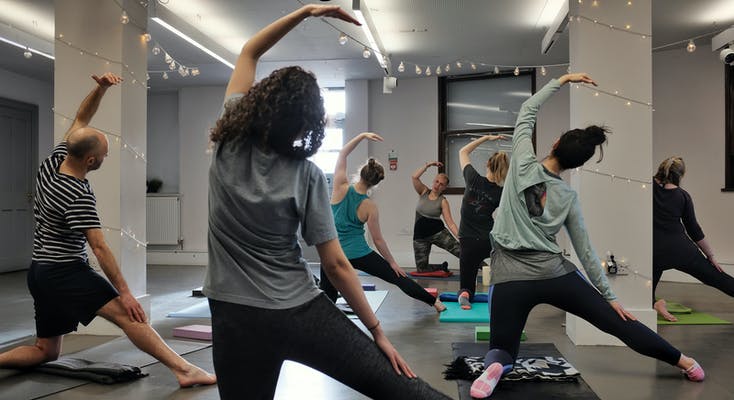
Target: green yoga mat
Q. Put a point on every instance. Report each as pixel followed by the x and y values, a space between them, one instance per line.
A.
pixel 481 333
pixel 677 308
pixel 454 313
pixel 694 318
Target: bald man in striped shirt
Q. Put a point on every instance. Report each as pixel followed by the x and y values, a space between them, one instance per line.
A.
pixel 66 290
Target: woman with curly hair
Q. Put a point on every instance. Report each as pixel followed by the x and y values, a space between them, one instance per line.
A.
pixel 264 304
pixel 678 241
pixel 527 265
pixel 352 208
pixel 481 197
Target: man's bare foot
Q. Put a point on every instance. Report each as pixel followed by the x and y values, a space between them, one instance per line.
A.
pixel 661 307
pixel 195 376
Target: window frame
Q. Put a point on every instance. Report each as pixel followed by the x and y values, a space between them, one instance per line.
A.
pixel 444 133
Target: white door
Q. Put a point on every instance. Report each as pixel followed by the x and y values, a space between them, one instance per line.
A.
pixel 17 134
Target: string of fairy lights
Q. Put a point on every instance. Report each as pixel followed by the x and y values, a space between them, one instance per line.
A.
pixel 117 136
pixel 126 234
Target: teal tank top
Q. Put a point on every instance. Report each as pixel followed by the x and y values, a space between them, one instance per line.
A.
pixel 348 225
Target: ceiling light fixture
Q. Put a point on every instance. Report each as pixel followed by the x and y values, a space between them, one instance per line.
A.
pixel 362 13
pixel 26 48
pixel 192 41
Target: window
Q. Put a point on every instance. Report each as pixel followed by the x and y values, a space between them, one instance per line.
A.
pixel 729 128
pixel 335 105
pixel 472 106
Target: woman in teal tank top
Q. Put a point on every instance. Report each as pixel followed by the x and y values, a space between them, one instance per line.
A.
pixel 352 208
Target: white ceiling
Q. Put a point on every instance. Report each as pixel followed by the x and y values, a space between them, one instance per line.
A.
pixel 426 32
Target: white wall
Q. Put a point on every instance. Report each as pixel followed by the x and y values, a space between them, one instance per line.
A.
pixel 163 135
pixel 28 90
pixel 688 94
pixel 198 110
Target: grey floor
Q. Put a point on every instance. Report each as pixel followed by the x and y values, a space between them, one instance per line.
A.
pixel 612 372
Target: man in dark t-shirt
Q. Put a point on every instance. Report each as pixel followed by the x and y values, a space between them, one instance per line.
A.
pixel 65 289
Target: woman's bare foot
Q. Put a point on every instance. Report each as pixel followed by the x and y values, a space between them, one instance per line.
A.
pixel 439 306
pixel 661 307
pixel 195 376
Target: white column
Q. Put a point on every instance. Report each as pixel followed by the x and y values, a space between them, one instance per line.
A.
pixel 618 214
pixel 92 40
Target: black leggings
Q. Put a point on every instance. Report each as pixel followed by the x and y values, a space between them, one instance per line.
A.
pixel 471 260
pixel 250 345
pixel 700 268
pixel 375 265
pixel 511 302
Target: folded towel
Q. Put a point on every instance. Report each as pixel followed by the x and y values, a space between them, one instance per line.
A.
pixel 100 372
pixel 555 369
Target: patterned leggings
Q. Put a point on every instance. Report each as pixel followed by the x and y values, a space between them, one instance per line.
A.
pixel 422 249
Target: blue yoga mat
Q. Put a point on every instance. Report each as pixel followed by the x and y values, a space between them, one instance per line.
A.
pixel 454 313
pixel 452 296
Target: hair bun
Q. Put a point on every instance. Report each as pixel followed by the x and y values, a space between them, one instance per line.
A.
pixel 371 162
pixel 596 135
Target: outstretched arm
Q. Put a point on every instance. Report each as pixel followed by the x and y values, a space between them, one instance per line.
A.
pixel 419 186
pixel 111 269
pixel 244 71
pixel 342 275
pixel 446 213
pixel 340 171
pixel 373 224
pixel 464 158
pixel 91 103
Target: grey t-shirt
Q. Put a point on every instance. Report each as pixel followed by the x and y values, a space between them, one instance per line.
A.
pixel 257 201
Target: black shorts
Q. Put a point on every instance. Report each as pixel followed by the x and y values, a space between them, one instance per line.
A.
pixel 65 294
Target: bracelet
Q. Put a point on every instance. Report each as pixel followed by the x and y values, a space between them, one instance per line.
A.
pixel 376 325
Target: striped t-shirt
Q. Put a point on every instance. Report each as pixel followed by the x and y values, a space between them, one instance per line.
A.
pixel 64 208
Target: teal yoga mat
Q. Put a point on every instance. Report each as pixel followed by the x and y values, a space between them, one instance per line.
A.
pixel 478 313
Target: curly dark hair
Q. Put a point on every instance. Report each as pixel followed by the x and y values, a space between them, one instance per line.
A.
pixel 283 112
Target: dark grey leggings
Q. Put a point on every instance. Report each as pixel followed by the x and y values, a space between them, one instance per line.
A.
pixel 511 302
pixel 376 266
pixel 250 345
pixel 700 268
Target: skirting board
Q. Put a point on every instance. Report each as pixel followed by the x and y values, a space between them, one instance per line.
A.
pixel 177 257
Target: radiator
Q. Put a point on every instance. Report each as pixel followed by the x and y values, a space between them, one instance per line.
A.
pixel 163 220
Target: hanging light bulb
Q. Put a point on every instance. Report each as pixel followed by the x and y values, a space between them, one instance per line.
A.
pixel 418 70
pixel 343 38
pixel 27 53
pixel 147 76
pixel 458 64
pixel 691 46
pixel 473 66
pixel 124 18
pixel 496 69
pixel 168 59
pixel 543 71
pixel 165 75
pixel 172 65
pixel 195 71
pixel 428 70
pixel 146 37
pixel 438 70
pixel 366 53
pixel 516 72
pixel 156 50
pixel 181 70
pixel 401 67
pixel 447 68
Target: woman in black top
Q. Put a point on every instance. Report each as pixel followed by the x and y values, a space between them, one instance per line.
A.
pixel 678 241
pixel 481 198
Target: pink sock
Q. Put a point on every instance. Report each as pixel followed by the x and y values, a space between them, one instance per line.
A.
pixel 695 372
pixel 464 301
pixel 485 384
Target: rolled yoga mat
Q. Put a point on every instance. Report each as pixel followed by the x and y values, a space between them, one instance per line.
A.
pixel 453 296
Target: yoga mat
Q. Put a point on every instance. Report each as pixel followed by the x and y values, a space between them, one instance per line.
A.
pixel 694 318
pixel 453 296
pixel 375 299
pixel 507 390
pixel 454 313
pixel 198 310
pixel 32 385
